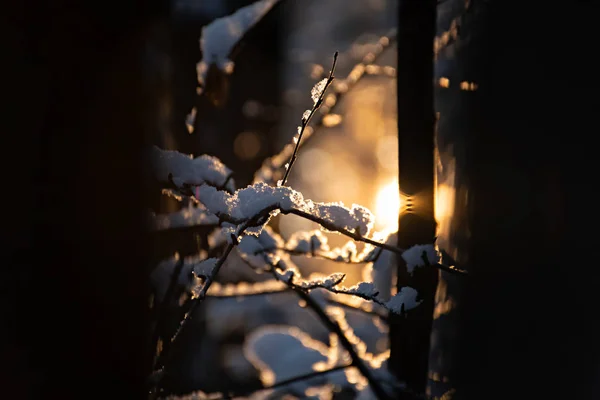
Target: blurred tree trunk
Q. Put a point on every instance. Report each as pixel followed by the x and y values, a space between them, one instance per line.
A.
pixel 514 179
pixel 409 334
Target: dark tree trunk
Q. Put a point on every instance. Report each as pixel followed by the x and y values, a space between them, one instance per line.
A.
pixel 75 272
pixel 409 334
pixel 514 180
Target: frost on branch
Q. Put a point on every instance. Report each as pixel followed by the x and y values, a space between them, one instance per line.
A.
pixel 185 170
pixel 246 204
pixel 306 114
pixel 186 217
pixel 318 89
pixel 219 38
pixel 416 255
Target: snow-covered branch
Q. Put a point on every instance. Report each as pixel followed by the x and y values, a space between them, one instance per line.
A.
pixel 254 204
pixel 219 39
pixel 404 300
pixel 251 204
pixel 181 171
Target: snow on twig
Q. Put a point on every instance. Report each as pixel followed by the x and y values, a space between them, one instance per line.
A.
pixel 219 38
pixel 251 204
pixel 317 93
pixel 284 270
pixel 420 256
pixel 184 171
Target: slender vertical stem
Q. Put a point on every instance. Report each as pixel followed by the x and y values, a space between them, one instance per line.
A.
pixel 306 120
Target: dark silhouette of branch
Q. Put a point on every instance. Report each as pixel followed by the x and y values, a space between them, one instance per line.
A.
pixel 306 120
pixel 208 281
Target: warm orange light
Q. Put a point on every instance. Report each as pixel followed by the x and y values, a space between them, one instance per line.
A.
pixel 387 206
pixel 444 203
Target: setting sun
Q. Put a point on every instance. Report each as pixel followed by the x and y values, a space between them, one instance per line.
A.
pixel 387 206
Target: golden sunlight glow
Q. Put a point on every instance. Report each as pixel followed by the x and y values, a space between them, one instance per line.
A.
pixel 387 206
pixel 444 202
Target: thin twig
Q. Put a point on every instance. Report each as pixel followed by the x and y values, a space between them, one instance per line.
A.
pixel 209 280
pixel 305 121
